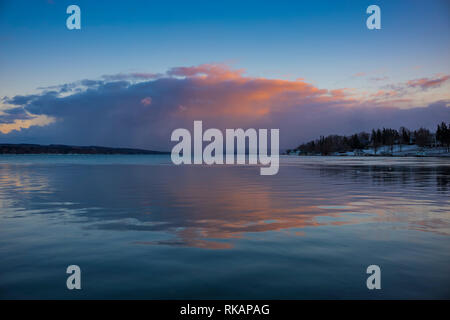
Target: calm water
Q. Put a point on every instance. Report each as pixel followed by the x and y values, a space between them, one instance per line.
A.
pixel 140 227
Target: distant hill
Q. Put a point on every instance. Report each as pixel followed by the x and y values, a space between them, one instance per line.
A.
pixel 63 149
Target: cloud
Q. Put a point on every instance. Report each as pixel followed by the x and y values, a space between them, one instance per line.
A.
pixel 427 83
pixel 359 74
pixel 214 71
pixel 19 124
pixel 116 113
pixel 11 114
pixel 20 100
pixel 146 101
pixel 131 76
pixel 72 86
pixel 383 78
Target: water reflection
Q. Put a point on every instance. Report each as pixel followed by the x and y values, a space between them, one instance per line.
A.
pixel 215 207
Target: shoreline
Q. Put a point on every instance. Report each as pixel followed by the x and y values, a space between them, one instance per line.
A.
pixel 6 148
pixel 368 156
pixel 394 151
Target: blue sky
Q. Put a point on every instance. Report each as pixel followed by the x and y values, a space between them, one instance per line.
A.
pixel 323 41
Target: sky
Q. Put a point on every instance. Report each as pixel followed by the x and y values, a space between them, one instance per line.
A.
pixel 139 69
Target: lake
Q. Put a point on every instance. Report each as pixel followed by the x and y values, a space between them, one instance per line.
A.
pixel 140 227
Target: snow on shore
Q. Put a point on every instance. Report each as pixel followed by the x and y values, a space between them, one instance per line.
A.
pixel 398 151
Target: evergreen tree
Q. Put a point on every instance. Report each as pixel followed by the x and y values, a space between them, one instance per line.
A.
pixel 443 134
pixel 405 136
pixel 423 137
pixel 375 139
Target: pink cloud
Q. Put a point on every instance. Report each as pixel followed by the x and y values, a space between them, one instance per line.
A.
pixel 217 71
pixel 426 83
pixel 146 101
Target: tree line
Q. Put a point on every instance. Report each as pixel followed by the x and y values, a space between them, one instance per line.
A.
pixel 377 139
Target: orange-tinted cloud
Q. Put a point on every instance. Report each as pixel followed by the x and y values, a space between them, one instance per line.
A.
pixel 19 124
pixel 427 83
pixel 220 91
